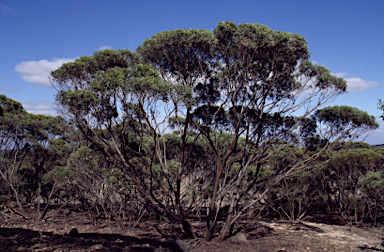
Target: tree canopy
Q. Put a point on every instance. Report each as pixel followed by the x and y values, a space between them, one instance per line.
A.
pixel 241 94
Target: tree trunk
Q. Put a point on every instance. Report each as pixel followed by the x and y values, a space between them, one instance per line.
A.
pixel 189 234
pixel 224 233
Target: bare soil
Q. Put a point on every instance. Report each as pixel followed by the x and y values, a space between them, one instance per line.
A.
pixel 76 232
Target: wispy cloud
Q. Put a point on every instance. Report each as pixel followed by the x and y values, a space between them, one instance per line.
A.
pixel 38 71
pixel 101 48
pixel 356 84
pixel 6 89
pixel 5 10
pixel 40 107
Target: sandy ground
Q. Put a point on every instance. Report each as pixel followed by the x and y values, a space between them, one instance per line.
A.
pixel 58 234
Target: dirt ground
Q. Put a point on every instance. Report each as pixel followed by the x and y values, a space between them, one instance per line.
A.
pixel 75 232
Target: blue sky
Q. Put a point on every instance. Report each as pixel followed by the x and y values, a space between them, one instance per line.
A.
pixel 38 36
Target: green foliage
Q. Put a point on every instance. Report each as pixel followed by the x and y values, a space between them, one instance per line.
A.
pixel 25 151
pixel 184 54
pixel 361 157
pixel 80 102
pixel 373 184
pixel 9 106
pixel 344 174
pixel 352 145
pixel 342 116
pixel 324 78
pixel 262 46
pixel 379 150
pixel 77 75
pixel 285 154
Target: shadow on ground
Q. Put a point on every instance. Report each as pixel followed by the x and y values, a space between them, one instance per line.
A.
pixel 17 239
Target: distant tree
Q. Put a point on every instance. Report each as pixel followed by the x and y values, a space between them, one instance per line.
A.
pixel 341 181
pixel 372 186
pixel 380 106
pixel 343 122
pixel 343 175
pixel 24 139
pixel 290 196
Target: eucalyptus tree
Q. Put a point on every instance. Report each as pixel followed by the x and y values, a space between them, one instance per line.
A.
pixel 117 112
pixel 24 142
pixel 253 85
pixel 343 122
pixel 182 57
pixel 244 92
pixel 372 186
pixel 344 174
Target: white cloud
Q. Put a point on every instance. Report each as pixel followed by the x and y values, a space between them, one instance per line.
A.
pixel 356 84
pixel 40 108
pixel 102 48
pixel 341 74
pixel 7 10
pixel 38 71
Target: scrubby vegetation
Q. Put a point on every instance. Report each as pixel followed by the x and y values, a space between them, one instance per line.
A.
pixel 195 124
